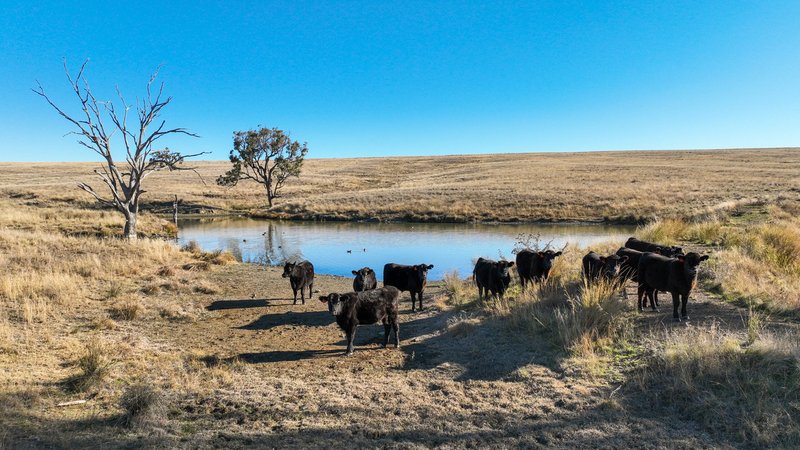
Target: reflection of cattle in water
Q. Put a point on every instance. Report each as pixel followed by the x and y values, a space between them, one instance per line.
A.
pixel 407 278
pixel 301 275
pixel 363 308
pixel 492 276
pixel 364 280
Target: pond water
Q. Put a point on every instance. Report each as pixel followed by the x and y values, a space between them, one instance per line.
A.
pixel 336 248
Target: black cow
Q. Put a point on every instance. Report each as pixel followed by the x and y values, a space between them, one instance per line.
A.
pixel 365 279
pixel 629 269
pixel 535 266
pixel 492 276
pixel 407 278
pixel 674 275
pixel 644 246
pixel 364 308
pixel 596 267
pixel 300 275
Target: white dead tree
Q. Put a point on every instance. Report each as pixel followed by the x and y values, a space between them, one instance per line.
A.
pixel 124 181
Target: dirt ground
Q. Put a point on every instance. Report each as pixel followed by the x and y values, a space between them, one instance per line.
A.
pixel 459 380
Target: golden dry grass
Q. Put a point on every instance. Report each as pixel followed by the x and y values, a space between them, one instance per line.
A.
pixel 618 186
pixel 538 369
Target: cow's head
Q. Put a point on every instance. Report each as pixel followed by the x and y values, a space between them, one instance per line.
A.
pixel 547 257
pixel 288 268
pixel 362 275
pixel 611 265
pixel 421 272
pixel 690 263
pixel 335 302
pixel 501 269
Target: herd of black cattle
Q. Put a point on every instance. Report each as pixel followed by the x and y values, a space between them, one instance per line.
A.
pixel 654 267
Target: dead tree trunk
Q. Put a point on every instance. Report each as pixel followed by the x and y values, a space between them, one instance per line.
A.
pixel 175 211
pixel 124 182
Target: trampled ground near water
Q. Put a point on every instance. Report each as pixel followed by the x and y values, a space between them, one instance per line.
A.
pixel 270 374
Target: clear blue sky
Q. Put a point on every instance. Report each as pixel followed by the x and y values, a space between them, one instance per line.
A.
pixel 416 78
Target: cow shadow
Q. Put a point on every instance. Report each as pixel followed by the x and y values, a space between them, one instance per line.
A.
pixel 297 318
pixel 286 356
pixel 481 349
pixel 244 304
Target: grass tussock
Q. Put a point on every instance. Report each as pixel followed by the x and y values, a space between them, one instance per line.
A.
pixel 142 405
pixel 93 366
pixel 745 387
pixel 127 310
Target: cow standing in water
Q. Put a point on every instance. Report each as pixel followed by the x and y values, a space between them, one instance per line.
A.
pixel 407 278
pixel 301 275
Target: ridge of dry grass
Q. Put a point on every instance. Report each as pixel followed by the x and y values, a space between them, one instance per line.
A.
pixel 614 186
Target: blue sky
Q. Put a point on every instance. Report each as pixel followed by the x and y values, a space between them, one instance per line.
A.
pixel 416 78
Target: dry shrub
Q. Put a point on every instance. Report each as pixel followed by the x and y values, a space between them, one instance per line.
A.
pixel 221 258
pixel 127 310
pixel 192 247
pixel 151 289
pixel 197 266
pixel 143 405
pixel 166 271
pixel 176 313
pixel 94 365
pixel 204 287
pixel 458 291
pixel 103 323
pixel 747 391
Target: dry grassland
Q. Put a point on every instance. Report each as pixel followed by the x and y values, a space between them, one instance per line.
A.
pixel 169 347
pixel 611 186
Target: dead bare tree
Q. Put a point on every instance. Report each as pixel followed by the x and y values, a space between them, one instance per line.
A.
pixel 124 181
pixel 267 156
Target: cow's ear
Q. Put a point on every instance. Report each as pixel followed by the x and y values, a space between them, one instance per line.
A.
pixel 557 254
pixel 354 272
pixel 541 254
pixel 323 298
pixel 510 263
pixel 430 266
pixel 370 271
pixel 415 268
pixel 704 257
pixel 681 258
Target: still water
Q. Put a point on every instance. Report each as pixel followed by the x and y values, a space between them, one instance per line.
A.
pixel 336 248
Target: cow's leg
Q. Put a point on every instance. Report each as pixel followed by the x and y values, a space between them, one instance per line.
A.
pixel 655 297
pixel 684 302
pixel 294 292
pixel 419 296
pixel 386 330
pixel 413 305
pixel 396 328
pixel 675 302
pixel 522 283
pixel 652 296
pixel 640 291
pixel 351 336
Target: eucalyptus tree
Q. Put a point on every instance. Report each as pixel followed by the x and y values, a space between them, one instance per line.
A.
pixel 267 156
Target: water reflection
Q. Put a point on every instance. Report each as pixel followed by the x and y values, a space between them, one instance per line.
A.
pixel 336 248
